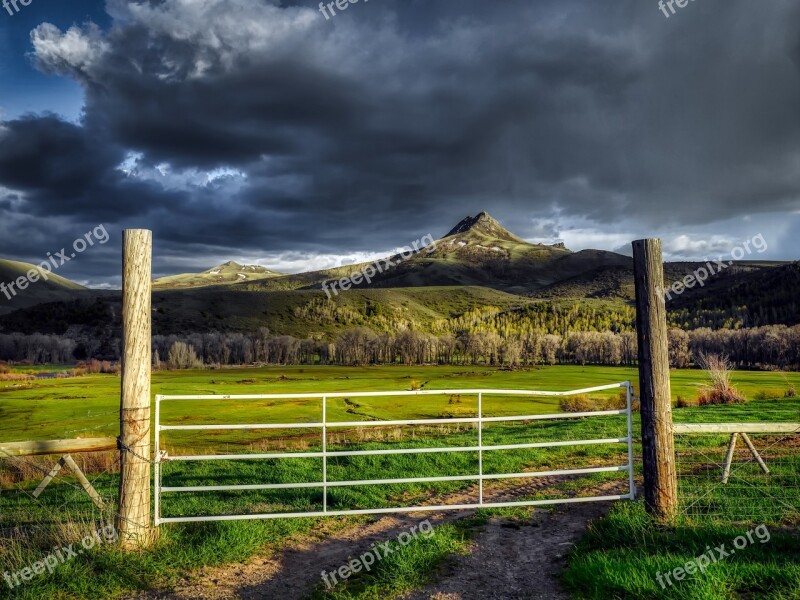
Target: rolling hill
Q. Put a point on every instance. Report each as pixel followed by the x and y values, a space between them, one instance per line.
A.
pixel 52 289
pixel 225 274
pixel 476 252
pixel 479 270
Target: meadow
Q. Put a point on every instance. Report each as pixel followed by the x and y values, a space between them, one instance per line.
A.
pixel 620 553
pixel 86 406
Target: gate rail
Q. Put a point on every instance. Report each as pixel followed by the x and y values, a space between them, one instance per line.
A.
pixel 324 425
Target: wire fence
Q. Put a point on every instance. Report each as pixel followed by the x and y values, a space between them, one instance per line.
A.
pixel 724 483
pixel 750 494
pixel 64 501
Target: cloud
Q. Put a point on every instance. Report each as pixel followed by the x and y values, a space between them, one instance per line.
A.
pixel 260 128
pixel 74 52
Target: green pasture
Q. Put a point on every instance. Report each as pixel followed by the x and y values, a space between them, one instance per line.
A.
pixel 85 406
pixel 620 554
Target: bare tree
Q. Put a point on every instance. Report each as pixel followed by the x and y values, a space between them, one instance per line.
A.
pixel 183 356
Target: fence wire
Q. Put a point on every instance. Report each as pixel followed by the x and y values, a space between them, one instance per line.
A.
pixel 749 494
pixel 64 500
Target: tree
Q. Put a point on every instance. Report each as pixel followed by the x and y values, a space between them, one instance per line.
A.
pixel 679 355
pixel 183 356
pixel 511 351
pixel 550 347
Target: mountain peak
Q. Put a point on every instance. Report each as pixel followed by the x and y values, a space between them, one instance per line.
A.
pixel 234 267
pixel 482 223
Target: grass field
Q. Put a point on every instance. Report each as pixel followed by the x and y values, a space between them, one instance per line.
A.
pixel 620 554
pixel 86 406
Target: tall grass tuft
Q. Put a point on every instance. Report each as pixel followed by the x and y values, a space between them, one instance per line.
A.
pixel 721 391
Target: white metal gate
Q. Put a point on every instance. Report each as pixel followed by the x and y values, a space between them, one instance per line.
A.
pixel 324 425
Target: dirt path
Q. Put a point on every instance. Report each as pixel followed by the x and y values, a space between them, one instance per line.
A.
pixel 508 560
pixel 512 561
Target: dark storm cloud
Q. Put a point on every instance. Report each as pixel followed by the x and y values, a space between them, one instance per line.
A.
pixel 67 170
pixel 395 119
pixel 46 153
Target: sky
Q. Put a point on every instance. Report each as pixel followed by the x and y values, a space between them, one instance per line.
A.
pixel 267 132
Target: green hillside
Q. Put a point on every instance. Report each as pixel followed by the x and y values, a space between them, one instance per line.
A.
pixel 53 289
pixel 309 313
pixel 477 252
pixel 225 274
pixel 478 273
pixel 748 295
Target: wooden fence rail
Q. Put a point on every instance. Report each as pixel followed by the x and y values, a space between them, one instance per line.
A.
pixel 14 450
pixel 737 430
pixel 39 448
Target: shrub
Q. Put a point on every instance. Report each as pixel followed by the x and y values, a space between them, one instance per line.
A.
pixel 579 403
pixel 709 396
pixel 790 392
pixel 682 402
pixel 619 402
pixel 15 377
pixel 97 366
pixel 415 385
pixel 721 391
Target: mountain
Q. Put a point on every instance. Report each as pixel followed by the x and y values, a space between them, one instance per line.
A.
pixel 478 251
pixel 225 274
pixel 484 225
pixel 52 289
pixel 749 294
pixel 481 252
pixel 478 271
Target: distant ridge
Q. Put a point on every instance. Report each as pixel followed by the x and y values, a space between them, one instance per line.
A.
pixel 478 265
pixel 227 273
pixel 52 289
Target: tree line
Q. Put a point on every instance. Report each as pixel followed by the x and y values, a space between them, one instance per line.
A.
pixel 768 347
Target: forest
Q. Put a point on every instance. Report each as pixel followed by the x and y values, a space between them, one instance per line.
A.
pixel 768 347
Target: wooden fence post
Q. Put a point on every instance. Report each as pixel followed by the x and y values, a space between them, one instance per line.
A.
pixel 658 445
pixel 133 518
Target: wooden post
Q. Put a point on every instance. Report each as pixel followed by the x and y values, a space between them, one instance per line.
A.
pixel 755 453
pixel 726 467
pixel 68 461
pixel 50 476
pixel 658 446
pixel 133 518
